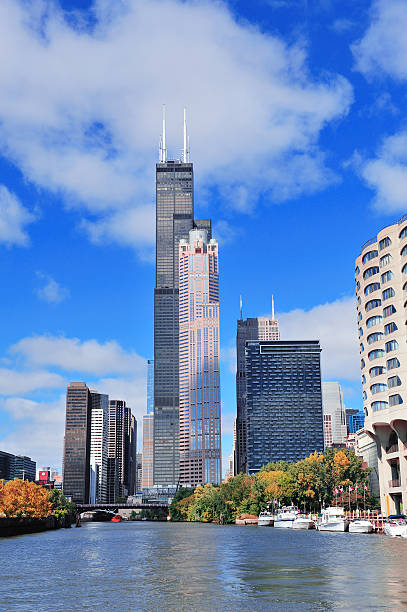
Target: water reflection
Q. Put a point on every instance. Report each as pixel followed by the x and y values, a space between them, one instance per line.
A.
pixel 154 566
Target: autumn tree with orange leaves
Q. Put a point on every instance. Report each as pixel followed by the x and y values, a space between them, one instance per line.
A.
pixel 22 498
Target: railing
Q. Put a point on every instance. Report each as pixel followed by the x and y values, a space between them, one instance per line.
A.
pixel 392 449
pixel 369 242
pixel 394 483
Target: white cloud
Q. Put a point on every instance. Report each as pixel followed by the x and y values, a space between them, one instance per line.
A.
pixel 132 390
pixel 13 382
pixel 13 219
pixel 38 430
pixel 386 174
pixel 342 25
pixel 72 355
pixel 334 324
pixel 228 357
pixel 79 105
pixel 384 45
pixel 51 291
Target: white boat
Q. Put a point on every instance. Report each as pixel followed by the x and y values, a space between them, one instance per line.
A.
pixel 266 519
pixel 285 517
pixel 303 522
pixel 333 519
pixel 359 525
pixel 396 525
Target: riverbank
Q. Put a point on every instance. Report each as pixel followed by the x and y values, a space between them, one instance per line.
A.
pixel 19 526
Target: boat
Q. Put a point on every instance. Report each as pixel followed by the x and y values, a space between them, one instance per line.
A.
pixel 266 519
pixel 285 517
pixel 303 522
pixel 117 519
pixel 359 525
pixel 396 526
pixel 96 516
pixel 333 519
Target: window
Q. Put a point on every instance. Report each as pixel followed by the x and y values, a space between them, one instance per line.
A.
pixel 378 388
pixel 357 270
pixel 395 400
pixel 404 269
pixel 392 345
pixel 360 332
pixel 372 304
pixel 376 371
pixel 362 363
pixel 370 272
pixel 376 354
pixel 388 311
pixel 403 233
pixel 385 260
pixel 359 316
pixel 388 293
pixel 379 406
pixel 358 285
pixel 384 242
pixel 390 328
pixel 359 300
pixel 387 276
pixel 393 363
pixel 374 337
pixel 369 255
pixel 372 287
pixel 403 252
pixel 393 381
pixel 363 379
pixel 374 321
pixel 364 395
pixel 362 348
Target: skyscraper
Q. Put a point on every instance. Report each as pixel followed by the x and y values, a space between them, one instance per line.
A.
pixel 147 479
pixel 174 219
pixel 121 464
pixel 77 443
pixel 260 328
pixel 284 401
pixel 335 429
pixel 200 454
pixel 380 276
pixel 98 443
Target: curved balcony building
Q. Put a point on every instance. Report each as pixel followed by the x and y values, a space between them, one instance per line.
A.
pixel 381 294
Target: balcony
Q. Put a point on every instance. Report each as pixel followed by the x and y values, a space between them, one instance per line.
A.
pixel 392 449
pixel 394 484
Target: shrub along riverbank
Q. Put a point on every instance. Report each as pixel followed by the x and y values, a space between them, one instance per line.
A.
pixel 336 476
pixel 26 507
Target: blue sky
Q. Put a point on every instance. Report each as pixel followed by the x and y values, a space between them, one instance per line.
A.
pixel 296 112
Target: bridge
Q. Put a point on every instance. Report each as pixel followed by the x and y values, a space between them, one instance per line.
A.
pixel 115 507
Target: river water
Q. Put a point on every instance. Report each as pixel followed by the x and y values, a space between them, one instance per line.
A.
pixel 193 567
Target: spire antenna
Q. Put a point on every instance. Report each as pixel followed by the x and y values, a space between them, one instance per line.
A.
pixel 272 307
pixel 163 147
pixel 241 309
pixel 185 152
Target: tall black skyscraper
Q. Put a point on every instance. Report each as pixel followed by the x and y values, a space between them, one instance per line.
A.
pixel 174 219
pixel 284 401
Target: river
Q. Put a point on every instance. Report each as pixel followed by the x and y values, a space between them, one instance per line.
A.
pixel 194 567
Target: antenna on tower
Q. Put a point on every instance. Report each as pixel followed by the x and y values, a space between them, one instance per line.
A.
pixel 163 148
pixel 241 309
pixel 185 155
pixel 272 307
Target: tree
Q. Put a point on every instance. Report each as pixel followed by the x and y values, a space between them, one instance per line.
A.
pixel 174 509
pixel 22 498
pixel 61 507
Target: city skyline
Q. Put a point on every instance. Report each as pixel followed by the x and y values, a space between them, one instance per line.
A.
pixel 278 180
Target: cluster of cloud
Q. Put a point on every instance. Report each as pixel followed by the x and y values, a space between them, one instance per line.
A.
pixel 51 291
pixel 14 218
pixel 80 105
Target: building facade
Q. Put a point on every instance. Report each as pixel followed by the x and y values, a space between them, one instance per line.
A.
pixel 148 456
pixel 366 448
pixel 355 420
pixel 76 464
pixel 259 328
pixel 381 277
pixel 98 445
pixel 199 376
pixel 335 430
pixel 122 449
pixel 16 466
pixel 284 401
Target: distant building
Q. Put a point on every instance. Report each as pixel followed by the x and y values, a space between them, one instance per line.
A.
pixel 259 328
pixel 366 448
pixel 284 401
pixel 6 466
pixel 230 469
pixel 45 479
pixel 355 420
pixel 199 374
pixel 122 433
pixel 147 455
pixel 76 473
pixel 16 466
pixel 335 430
pixel 98 445
pixel 139 468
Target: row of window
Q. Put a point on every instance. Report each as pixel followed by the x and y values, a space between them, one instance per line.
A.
pixel 394 400
pixel 384 243
pixel 391 365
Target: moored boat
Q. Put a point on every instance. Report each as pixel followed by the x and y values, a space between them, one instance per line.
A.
pixel 303 522
pixel 285 517
pixel 333 519
pixel 359 525
pixel 266 519
pixel 117 519
pixel 396 526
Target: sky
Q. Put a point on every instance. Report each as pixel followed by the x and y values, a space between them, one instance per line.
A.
pixel 296 117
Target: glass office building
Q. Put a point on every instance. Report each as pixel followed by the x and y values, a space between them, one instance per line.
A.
pixel 284 401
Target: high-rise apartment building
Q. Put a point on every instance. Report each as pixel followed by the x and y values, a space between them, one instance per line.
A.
pixel 16 466
pixel 98 445
pixel 76 464
pixel 284 401
pixel 335 430
pixel 147 480
pixel 122 448
pixel 199 379
pixel 259 328
pixel 355 420
pixel 380 276
pixel 174 220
